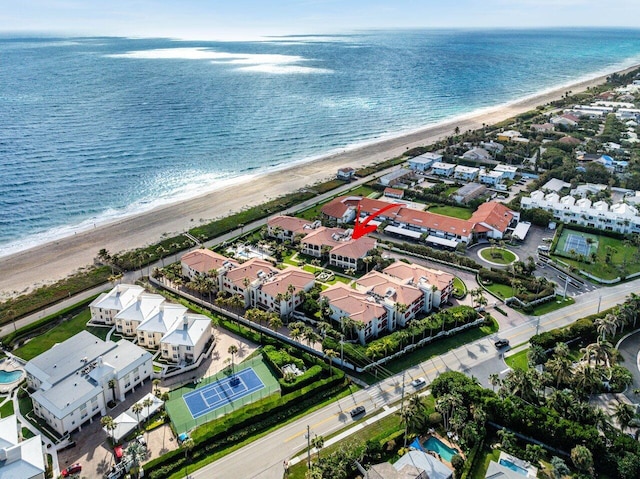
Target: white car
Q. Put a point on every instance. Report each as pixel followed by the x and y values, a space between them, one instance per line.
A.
pixel 418 382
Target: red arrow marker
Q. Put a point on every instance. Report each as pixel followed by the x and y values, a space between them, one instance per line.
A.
pixel 362 228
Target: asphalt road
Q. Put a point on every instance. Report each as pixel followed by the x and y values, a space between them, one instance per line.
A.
pixel 264 457
pixel 629 348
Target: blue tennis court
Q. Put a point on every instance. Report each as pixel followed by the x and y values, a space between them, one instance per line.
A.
pixel 222 392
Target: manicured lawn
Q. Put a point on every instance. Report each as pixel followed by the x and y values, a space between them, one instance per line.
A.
pixel 100 332
pixel 450 190
pixel 482 464
pixel 6 409
pixel 501 290
pixel 362 190
pixel 454 211
pixel 437 348
pixel 518 360
pixel 624 258
pixel 552 305
pixel 459 288
pixel 498 255
pixel 45 341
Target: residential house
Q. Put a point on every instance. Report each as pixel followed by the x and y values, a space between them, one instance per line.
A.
pixel 346 173
pixel 394 193
pixel 509 135
pixel 509 171
pixel 492 219
pixel 491 177
pixel 492 146
pixel 361 308
pixel 240 279
pixel 351 254
pixel 619 217
pixel 414 464
pixel 341 209
pixel 469 192
pixel 19 459
pixel 288 227
pixel 150 318
pixel 443 169
pixel 569 140
pixel 436 285
pixel 423 162
pixel 74 380
pixel 105 307
pixel 185 343
pixel 567 120
pixel 403 301
pixel 395 177
pixel 476 154
pixel 543 127
pixel 465 173
pixel 281 292
pixel 205 262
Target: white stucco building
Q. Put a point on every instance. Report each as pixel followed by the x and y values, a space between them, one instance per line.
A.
pixel 71 381
pixel 619 217
pixel 19 459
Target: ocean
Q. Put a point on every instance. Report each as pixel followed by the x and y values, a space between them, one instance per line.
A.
pixel 94 129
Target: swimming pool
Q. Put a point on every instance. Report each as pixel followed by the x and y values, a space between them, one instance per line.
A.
pixel 510 465
pixel 436 445
pixel 7 377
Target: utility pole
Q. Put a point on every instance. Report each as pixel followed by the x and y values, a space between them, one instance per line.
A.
pixel 402 397
pixel 566 284
pixel 308 447
pixel 599 301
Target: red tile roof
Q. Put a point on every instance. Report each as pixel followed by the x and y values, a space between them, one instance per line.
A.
pixel 251 270
pixel 414 273
pixel 337 207
pixel 493 214
pixel 280 283
pixel 355 304
pixel 394 191
pixel 325 236
pixel 205 260
pixel 355 248
pixel 289 223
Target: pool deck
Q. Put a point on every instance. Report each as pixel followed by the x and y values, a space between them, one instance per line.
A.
pixel 10 364
pixel 447 442
pixel 532 471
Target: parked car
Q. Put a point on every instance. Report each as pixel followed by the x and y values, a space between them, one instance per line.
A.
pixel 501 343
pixel 72 469
pixel 357 411
pixel 418 382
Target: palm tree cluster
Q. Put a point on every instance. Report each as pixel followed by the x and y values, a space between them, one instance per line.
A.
pixel 477 297
pixel 300 331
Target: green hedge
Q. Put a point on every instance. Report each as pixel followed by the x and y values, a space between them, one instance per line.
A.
pixel 310 376
pixel 237 427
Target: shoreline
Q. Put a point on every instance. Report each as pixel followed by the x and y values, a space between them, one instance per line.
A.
pixel 52 261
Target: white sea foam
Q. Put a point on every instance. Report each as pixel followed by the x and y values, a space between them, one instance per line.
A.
pixel 256 62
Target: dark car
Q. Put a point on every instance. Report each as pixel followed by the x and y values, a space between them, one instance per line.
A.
pixel 72 469
pixel 501 343
pixel 356 411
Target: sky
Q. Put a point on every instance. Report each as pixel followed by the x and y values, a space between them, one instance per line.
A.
pixel 252 19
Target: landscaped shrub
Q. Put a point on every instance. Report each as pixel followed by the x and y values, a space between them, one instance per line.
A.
pixel 309 376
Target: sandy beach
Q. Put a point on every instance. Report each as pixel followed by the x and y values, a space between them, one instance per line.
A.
pixel 53 261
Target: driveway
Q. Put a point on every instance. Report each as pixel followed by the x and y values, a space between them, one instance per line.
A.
pixel 629 348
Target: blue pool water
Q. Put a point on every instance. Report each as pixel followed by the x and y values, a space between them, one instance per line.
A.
pixel 7 377
pixel 513 467
pixel 436 445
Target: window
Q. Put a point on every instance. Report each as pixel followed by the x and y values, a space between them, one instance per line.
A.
pixel 189 348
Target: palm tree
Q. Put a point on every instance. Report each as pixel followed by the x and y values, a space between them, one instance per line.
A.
pixel 186 446
pixel 606 325
pixel 494 380
pixel 112 386
pixel 624 414
pixel 318 443
pixel 233 350
pixel 156 383
pixel 412 415
pixel 582 458
pixel 137 409
pixel 585 379
pixel 161 252
pixel 275 322
pixel 559 367
pixel 148 402
pixel 330 354
pixel 560 469
pixel 109 424
pixel 135 454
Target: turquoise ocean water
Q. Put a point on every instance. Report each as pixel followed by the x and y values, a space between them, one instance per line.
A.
pixel 93 129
